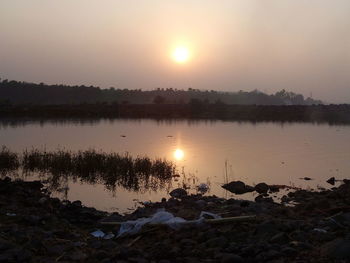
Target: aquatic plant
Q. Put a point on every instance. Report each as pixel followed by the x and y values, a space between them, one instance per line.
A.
pixel 91 166
pixel 8 160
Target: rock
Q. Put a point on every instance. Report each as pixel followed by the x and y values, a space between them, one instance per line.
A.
pixel 4 244
pixel 306 178
pixel 280 238
pixel 178 193
pixel 340 249
pixel 267 230
pixel 331 181
pixel 261 198
pixel 188 242
pixel 300 245
pixel 43 200
pixel 261 188
pixel 274 188
pixel 238 187
pixel 201 204
pixel 33 219
pixel 56 249
pixel 77 256
pixel 268 255
pixel 77 203
pixel 231 258
pixel 289 251
pixel 217 242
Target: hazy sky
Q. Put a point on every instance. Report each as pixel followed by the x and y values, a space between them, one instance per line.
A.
pixel 298 45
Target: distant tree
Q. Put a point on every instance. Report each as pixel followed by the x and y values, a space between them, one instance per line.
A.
pixel 159 100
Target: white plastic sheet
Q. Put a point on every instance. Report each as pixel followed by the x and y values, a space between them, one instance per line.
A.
pixel 161 217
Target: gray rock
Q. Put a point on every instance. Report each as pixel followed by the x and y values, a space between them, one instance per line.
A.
pixel 340 249
pixel 267 229
pixel 178 193
pixel 238 187
pixel 289 251
pixel 201 203
pixel 188 242
pixel 261 198
pixel 280 238
pixel 217 242
pixel 77 256
pixel 331 181
pixel 231 258
pixel 268 255
pixel 262 188
pixel 43 200
pixel 4 244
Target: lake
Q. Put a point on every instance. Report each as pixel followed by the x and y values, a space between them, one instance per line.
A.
pixel 210 152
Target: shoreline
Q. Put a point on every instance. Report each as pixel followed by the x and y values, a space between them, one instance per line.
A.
pixel 331 114
pixel 37 228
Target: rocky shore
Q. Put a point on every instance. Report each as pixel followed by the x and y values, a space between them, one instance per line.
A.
pixel 37 228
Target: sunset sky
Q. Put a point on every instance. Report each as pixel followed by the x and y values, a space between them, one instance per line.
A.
pixel 269 45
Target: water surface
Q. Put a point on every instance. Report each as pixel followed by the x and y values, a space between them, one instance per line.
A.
pixel 205 152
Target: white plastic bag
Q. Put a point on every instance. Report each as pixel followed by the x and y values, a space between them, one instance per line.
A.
pixel 161 217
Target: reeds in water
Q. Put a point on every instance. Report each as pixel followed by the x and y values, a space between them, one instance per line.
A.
pixel 9 161
pixel 91 166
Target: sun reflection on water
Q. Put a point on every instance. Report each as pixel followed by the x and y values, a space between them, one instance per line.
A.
pixel 179 154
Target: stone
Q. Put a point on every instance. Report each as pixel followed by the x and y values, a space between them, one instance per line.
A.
pixel 261 198
pixel 340 249
pixel 237 187
pixel 43 200
pixel 201 204
pixel 331 181
pixel 280 238
pixel 261 188
pixel 231 258
pixel 178 193
pixel 217 242
pixel 289 251
pixel 188 242
pixel 77 256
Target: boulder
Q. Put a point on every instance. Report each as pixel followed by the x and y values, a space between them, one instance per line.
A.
pixel 238 187
pixel 178 193
pixel 331 181
pixel 262 188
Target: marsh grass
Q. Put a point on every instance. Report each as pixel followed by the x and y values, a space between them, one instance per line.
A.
pixel 91 166
pixel 9 161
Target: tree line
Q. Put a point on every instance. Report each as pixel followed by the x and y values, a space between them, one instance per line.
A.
pixel 19 93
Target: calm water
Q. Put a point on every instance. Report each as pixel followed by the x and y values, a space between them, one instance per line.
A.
pixel 204 151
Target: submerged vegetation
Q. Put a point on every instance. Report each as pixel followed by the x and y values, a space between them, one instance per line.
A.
pixel 91 166
pixel 8 160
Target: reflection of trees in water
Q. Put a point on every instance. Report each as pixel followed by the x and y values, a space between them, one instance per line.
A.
pixel 57 168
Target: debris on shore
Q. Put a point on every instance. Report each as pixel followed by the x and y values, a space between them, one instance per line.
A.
pixel 37 228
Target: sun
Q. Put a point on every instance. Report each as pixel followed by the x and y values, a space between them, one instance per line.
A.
pixel 181 54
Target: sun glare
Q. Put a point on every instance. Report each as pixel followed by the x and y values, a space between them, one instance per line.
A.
pixel 181 54
pixel 179 154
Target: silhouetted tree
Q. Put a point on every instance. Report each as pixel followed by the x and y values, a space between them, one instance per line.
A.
pixel 158 100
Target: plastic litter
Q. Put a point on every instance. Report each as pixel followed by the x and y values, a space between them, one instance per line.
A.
pixel 100 234
pixel 109 236
pixel 320 230
pixel 161 217
pixel 10 214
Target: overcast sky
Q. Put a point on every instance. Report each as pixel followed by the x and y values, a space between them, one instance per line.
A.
pixel 269 45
